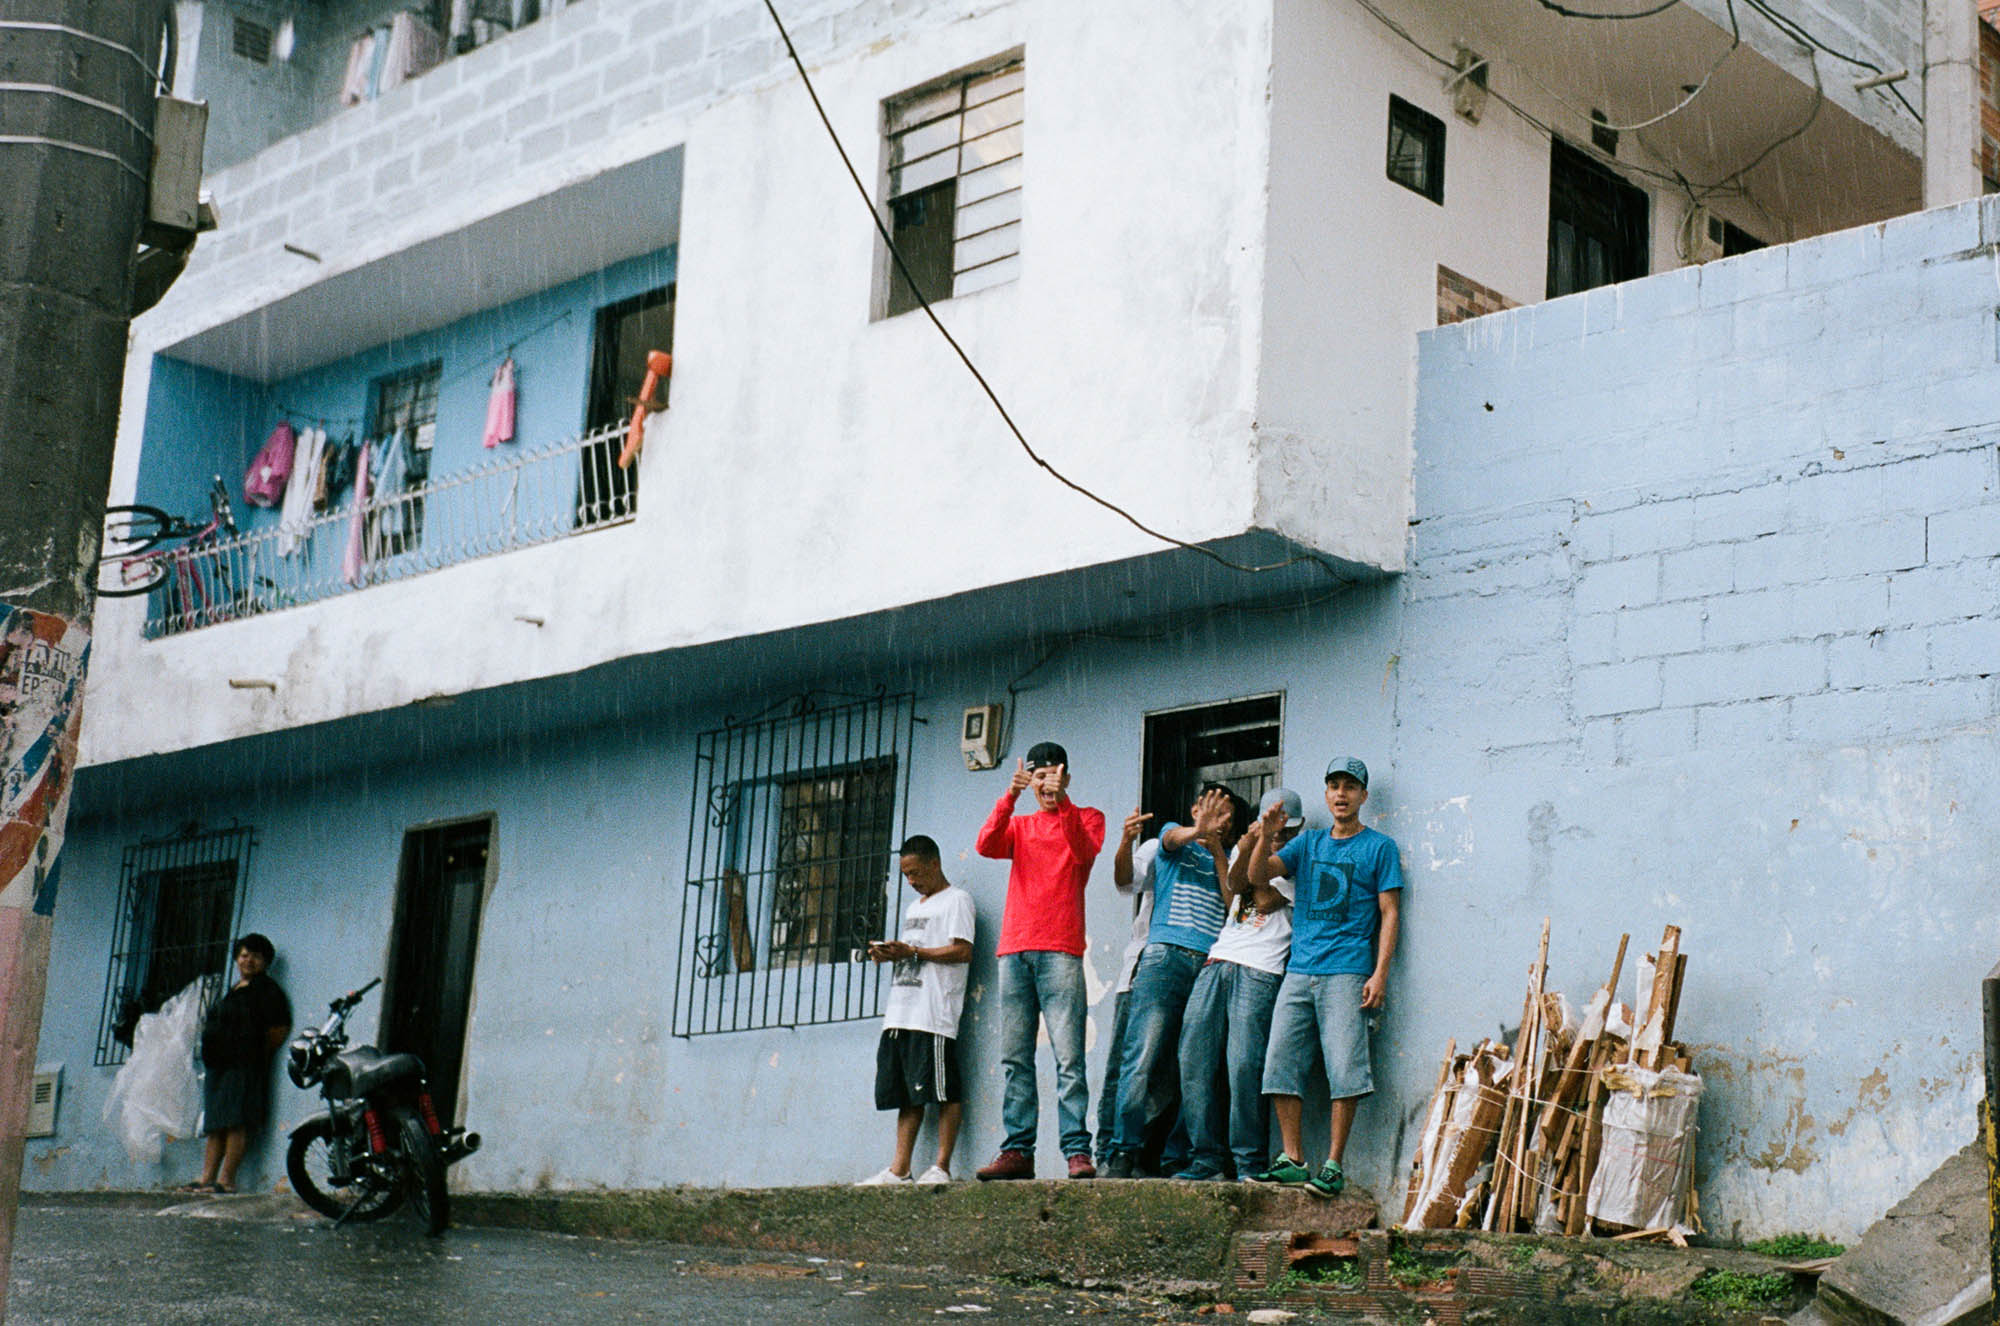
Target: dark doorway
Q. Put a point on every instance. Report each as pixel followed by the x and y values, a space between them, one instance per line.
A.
pixel 1597 224
pixel 429 996
pixel 1235 743
pixel 626 331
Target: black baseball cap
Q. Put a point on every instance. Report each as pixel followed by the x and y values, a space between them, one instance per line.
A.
pixel 1045 753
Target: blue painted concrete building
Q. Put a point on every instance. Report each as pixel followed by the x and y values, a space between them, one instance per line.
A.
pixel 1688 615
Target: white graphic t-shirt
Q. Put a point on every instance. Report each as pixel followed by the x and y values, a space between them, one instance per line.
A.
pixel 1251 938
pixel 929 996
pixel 1141 893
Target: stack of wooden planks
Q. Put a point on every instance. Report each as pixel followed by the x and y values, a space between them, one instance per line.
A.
pixel 1513 1136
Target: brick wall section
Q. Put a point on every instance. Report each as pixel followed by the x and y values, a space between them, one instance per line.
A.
pixel 1989 97
pixel 1461 297
pixel 554 88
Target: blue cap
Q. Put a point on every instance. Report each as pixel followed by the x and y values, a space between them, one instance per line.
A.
pixel 1347 764
pixel 1295 810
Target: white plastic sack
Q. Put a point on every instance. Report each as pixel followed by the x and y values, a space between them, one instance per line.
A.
pixel 156 1096
pixel 1646 1158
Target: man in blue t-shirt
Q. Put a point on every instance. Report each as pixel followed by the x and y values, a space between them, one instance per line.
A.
pixel 1345 918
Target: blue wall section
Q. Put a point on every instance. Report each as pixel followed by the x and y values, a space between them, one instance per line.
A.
pixel 573 1075
pixel 199 422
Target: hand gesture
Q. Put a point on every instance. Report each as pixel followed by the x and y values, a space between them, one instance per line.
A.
pixel 1019 783
pixel 1135 823
pixel 1272 822
pixel 1375 991
pixel 1212 814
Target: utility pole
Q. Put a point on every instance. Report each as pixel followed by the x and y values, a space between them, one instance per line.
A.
pixel 77 85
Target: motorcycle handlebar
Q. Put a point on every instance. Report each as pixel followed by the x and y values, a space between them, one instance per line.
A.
pixel 353 997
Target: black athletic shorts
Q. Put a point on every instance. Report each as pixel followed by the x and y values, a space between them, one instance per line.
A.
pixel 914 1069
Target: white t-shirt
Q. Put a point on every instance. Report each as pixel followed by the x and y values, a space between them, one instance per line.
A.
pixel 1141 890
pixel 1251 938
pixel 929 996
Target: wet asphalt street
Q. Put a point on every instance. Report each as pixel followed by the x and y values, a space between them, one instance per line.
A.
pixel 242 1261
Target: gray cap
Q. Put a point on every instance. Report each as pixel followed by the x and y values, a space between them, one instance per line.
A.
pixel 1347 764
pixel 1295 810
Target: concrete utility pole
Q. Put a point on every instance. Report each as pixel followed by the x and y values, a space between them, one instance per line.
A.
pixel 77 86
pixel 1951 102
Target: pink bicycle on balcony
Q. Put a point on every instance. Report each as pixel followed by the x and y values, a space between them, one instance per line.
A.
pixel 132 559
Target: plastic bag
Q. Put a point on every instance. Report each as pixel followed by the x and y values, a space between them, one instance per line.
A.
pixel 156 1096
pixel 1647 1158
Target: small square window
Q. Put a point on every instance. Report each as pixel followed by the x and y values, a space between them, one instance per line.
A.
pixel 251 40
pixel 1416 149
pixel 954 197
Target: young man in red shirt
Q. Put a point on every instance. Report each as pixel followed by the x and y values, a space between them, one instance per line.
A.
pixel 1041 955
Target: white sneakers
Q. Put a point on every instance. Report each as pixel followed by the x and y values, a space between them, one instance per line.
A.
pixel 933 1177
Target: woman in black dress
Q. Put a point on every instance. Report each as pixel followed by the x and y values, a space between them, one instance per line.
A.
pixel 237 1042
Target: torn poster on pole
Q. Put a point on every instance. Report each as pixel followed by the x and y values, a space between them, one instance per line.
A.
pixel 41 671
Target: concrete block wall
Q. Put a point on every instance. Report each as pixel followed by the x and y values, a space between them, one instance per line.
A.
pixel 1703 626
pixel 527 107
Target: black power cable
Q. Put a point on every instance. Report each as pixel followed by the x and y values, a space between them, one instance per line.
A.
pixel 896 255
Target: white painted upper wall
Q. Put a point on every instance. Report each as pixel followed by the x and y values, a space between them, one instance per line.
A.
pixel 1214 325
pixel 816 464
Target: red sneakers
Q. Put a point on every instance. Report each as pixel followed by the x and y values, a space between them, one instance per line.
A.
pixel 1011 1165
pixel 1081 1168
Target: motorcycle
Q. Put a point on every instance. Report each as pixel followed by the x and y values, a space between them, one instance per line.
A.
pixel 378 1144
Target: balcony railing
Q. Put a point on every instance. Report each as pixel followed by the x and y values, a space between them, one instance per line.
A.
pixel 514 500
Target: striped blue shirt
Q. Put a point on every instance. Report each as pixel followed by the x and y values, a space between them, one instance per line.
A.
pixel 1187 905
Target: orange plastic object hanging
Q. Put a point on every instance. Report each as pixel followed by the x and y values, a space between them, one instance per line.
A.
pixel 659 366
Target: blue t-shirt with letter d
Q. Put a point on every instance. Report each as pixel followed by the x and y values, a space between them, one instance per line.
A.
pixel 1337 908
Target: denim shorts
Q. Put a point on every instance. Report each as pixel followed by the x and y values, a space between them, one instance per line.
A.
pixel 1323 1015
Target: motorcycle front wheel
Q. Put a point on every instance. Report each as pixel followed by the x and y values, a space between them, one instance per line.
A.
pixel 309 1162
pixel 423 1173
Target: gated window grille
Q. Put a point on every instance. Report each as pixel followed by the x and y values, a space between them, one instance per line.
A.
pixel 180 903
pixel 795 818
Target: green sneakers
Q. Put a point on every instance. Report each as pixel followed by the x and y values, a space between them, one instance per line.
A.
pixel 1284 1170
pixel 1328 1182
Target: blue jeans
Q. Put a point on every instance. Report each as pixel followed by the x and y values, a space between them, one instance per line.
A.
pixel 1223 1038
pixel 1045 986
pixel 1319 1015
pixel 1107 1094
pixel 1148 1079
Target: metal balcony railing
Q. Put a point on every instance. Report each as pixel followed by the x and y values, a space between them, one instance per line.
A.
pixel 513 500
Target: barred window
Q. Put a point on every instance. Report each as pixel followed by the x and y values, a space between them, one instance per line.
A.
pixel 402 413
pixel 180 901
pixel 795 821
pixel 955 184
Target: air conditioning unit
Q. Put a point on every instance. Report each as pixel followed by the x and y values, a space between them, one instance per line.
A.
pixel 1702 236
pixel 47 1089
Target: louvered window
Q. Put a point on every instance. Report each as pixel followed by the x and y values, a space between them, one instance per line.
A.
pixel 955 184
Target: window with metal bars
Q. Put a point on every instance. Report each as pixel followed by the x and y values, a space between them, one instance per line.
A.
pixel 955 184
pixel 402 413
pixel 794 822
pixel 180 902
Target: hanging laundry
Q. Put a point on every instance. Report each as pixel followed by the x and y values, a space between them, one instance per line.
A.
pixel 354 87
pixel 388 479
pixel 500 405
pixel 264 482
pixel 295 518
pixel 340 462
pixel 414 46
pixel 352 560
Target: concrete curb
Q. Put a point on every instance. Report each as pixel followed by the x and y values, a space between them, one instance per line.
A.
pixel 1152 1234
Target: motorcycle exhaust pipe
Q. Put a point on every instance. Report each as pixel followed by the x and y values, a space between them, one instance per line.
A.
pixel 458 1145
